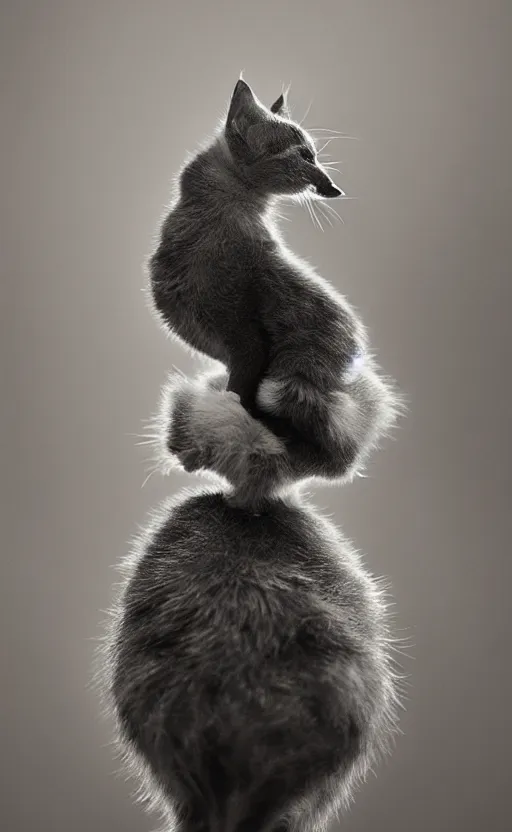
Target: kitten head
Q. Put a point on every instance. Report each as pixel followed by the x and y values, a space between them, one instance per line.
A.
pixel 274 154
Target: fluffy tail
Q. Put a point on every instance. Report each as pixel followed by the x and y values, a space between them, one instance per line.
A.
pixel 302 432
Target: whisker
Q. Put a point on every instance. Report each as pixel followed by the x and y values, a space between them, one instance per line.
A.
pixel 304 117
pixel 308 206
pixel 304 201
pixel 340 199
pixel 325 216
pixel 325 145
pixel 280 214
pixel 300 199
pixel 327 205
pixel 335 133
pixel 177 370
pixel 153 471
pixel 333 138
pixel 316 218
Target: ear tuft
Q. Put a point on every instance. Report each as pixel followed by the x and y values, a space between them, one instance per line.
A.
pixel 279 107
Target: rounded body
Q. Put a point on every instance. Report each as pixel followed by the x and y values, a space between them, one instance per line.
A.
pixel 247 665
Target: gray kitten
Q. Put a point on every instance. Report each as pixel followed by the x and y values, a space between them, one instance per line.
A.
pixel 247 663
pixel 222 281
pixel 220 278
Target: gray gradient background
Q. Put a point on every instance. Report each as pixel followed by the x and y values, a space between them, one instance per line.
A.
pixel 100 100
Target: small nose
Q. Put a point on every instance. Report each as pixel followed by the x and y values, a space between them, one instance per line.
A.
pixel 329 190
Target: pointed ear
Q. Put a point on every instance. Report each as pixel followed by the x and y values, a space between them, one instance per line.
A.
pixel 280 107
pixel 243 107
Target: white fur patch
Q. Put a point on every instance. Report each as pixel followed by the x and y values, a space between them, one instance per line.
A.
pixel 268 394
pixel 357 365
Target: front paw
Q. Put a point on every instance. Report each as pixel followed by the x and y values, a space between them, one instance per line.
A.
pixel 192 457
pixel 179 442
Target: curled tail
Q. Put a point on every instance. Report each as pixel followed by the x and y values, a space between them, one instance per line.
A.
pixel 254 698
pixel 301 431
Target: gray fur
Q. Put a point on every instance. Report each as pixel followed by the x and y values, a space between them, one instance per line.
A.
pixel 247 664
pixel 247 659
pixel 207 428
pixel 223 282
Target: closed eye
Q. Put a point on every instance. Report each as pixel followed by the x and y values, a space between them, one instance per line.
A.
pixel 307 154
